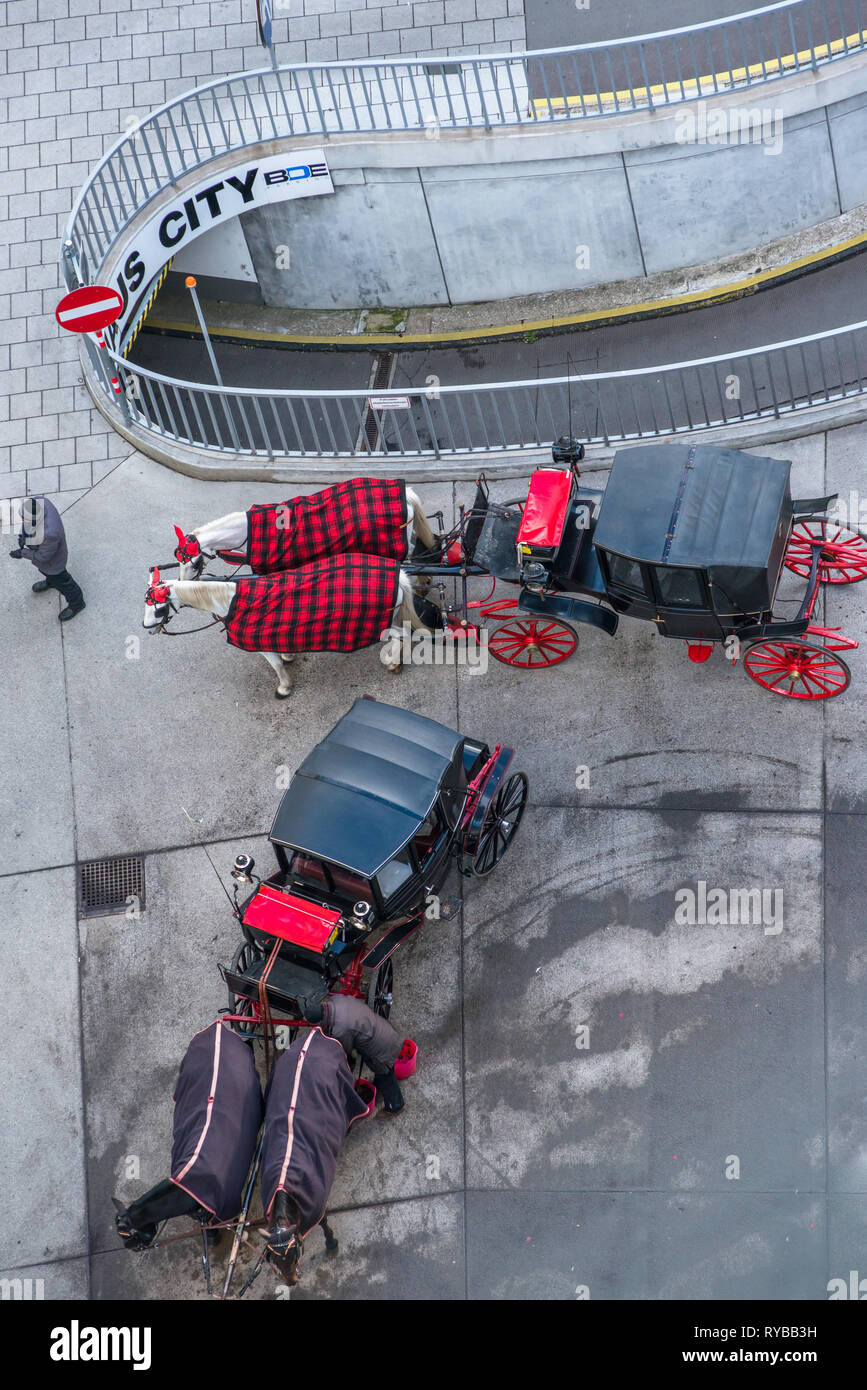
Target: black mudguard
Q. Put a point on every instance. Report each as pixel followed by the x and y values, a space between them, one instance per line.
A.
pixel 570 610
pixel 771 631
pixel 812 506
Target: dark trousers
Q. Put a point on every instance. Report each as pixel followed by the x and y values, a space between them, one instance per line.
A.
pixel 386 1084
pixel 65 585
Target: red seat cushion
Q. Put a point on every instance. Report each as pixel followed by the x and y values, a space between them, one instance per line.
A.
pixel 545 509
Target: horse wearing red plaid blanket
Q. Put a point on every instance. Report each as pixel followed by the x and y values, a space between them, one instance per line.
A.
pixel 362 516
pixel 337 605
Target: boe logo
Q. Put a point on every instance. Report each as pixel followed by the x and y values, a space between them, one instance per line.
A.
pixel 296 172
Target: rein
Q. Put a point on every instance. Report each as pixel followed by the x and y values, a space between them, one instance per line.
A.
pixel 188 632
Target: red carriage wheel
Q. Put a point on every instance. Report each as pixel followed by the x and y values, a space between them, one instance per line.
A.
pixel 844 553
pixel 797 670
pixel 532 642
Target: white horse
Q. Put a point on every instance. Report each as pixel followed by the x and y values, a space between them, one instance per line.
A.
pixel 216 595
pixel 230 533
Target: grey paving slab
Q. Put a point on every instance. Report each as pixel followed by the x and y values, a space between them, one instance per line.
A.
pixel 847 1242
pixel 650 727
pixel 846 607
pixel 65 1280
pixel 702 1042
pixel 42 1094
pixel 209 696
pixel 407 1250
pixel 36 790
pixel 846 956
pixel 147 986
pixel 533 1245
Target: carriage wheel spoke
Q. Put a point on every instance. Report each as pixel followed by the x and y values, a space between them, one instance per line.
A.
pixel 532 642
pixel 797 670
pixel 499 826
pixel 843 557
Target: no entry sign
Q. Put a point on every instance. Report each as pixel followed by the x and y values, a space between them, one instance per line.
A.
pixel 89 309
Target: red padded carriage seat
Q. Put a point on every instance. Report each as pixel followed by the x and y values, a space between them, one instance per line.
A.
pixel 546 508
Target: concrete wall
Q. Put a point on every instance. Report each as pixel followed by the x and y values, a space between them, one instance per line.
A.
pixel 465 216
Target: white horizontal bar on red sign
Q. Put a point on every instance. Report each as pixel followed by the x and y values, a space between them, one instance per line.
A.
pixel 85 310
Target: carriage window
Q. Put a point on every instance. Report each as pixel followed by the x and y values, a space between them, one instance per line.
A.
pixel 397 872
pixel 680 588
pixel 328 878
pixel 310 871
pixel 626 573
pixel 426 838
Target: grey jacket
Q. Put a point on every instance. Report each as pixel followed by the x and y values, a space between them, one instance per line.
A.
pixel 50 555
pixel 360 1030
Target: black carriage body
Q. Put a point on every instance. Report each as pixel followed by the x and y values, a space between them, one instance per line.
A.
pixel 693 538
pixel 369 821
pixel 372 812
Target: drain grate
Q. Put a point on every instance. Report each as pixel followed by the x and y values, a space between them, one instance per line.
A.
pixel 105 886
pixel 383 370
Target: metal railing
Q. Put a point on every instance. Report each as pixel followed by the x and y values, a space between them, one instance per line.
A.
pixel 440 93
pixel 448 421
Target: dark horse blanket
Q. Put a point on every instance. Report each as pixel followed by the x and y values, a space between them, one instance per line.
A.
pixel 335 605
pixel 310 1105
pixel 218 1111
pixel 366 516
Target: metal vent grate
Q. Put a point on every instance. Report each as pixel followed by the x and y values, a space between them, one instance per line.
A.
pixel 106 886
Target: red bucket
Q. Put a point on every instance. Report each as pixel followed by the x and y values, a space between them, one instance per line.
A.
pixel 405 1064
pixel 367 1092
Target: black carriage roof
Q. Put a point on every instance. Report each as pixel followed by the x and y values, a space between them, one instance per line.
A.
pixel 702 506
pixel 366 788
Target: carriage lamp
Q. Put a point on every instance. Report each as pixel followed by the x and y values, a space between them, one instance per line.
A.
pixel 242 869
pixel 534 577
pixel 567 450
pixel 362 912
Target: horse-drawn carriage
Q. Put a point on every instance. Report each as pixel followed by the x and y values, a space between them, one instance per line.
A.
pixel 692 538
pixel 364 838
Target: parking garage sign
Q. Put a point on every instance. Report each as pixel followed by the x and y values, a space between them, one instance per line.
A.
pixel 195 210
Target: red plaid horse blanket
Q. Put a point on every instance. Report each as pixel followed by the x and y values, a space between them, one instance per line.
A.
pixel 365 516
pixel 337 605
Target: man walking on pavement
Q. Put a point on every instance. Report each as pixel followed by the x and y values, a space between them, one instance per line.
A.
pixel 43 543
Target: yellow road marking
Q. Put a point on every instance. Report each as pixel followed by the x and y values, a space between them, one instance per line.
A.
pixel 139 323
pixel 647 309
pixel 709 83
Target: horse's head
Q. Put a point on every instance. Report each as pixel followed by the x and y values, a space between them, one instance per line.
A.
pixel 158 604
pixel 285 1246
pixel 133 1237
pixel 188 554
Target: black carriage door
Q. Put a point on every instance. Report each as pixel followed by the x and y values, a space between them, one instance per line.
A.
pixel 627 582
pixel 404 881
pixel 683 604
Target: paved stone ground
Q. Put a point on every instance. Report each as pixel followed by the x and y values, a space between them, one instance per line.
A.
pixel 74 74
pixel 525 1165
